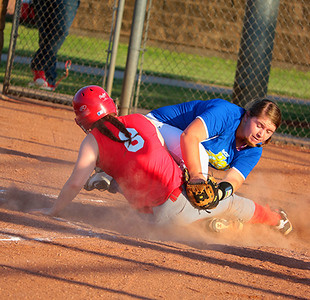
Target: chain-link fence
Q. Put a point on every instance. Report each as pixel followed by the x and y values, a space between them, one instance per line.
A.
pixel 47 57
pixel 235 50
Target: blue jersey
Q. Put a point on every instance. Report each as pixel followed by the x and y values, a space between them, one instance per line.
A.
pixel 221 120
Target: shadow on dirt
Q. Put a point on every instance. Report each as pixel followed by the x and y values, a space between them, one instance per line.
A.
pixel 37 157
pixel 121 224
pixel 150 265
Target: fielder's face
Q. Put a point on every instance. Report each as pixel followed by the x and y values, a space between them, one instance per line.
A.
pixel 258 129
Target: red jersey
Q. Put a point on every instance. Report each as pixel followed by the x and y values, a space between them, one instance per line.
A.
pixel 144 170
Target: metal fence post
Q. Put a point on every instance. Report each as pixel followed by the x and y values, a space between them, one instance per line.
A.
pixel 12 45
pixel 117 31
pixel 255 53
pixel 132 55
pixel 142 56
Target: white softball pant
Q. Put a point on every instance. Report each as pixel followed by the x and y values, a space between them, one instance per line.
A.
pixel 182 212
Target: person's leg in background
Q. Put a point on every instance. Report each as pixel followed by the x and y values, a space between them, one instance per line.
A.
pixel 54 18
pixel 44 14
pixel 66 13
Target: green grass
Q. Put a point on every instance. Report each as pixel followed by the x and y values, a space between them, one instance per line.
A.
pixel 293 114
pixel 295 119
pixel 195 68
pixel 89 51
pixel 69 85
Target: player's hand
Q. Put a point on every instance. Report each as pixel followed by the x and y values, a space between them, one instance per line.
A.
pixel 196 178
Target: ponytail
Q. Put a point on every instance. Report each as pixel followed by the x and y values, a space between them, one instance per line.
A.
pixel 100 125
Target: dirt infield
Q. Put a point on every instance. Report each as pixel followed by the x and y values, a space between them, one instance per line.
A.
pixel 99 248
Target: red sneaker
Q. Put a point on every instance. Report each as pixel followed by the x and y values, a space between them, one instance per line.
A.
pixel 39 80
pixel 47 87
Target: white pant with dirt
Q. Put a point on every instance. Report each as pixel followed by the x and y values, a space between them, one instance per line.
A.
pixel 182 212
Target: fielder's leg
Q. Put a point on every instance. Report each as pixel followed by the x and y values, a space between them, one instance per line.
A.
pixel 240 210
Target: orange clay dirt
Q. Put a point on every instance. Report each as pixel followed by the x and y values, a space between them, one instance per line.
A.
pixel 99 248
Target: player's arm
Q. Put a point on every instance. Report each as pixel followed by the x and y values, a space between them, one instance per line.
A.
pixel 83 168
pixel 234 175
pixel 229 184
pixel 189 141
pixel 234 178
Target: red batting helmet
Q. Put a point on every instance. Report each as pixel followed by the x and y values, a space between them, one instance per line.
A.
pixel 90 104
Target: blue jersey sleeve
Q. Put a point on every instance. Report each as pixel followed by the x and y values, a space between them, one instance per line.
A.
pixel 217 114
pixel 246 160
